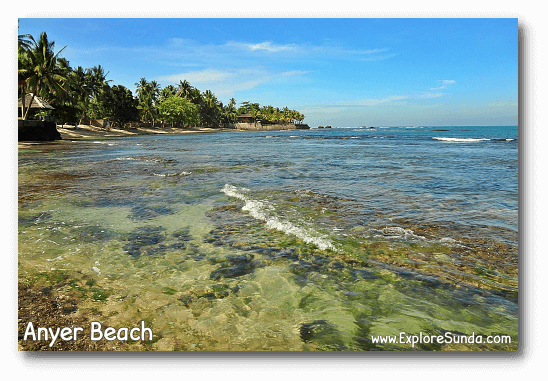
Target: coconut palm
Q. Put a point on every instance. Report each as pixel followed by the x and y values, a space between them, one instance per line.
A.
pixel 184 89
pixel 79 86
pixel 168 91
pixel 39 72
pixel 25 41
pixel 97 84
pixel 196 96
pixel 147 93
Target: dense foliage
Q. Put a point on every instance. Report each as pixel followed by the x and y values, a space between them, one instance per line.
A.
pixel 79 94
pixel 178 111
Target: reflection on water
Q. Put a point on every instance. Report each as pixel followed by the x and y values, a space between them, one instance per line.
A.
pixel 226 242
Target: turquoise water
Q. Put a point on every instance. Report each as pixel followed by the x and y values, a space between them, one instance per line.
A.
pixel 285 240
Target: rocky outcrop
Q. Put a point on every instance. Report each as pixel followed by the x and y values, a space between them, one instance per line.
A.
pixel 266 127
pixel 36 130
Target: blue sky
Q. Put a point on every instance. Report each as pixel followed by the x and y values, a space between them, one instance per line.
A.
pixel 338 72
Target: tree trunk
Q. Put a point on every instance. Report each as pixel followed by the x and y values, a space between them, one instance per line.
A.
pixel 82 117
pixel 23 105
pixel 27 112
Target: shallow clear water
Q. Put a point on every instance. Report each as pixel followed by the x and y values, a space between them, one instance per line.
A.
pixel 283 240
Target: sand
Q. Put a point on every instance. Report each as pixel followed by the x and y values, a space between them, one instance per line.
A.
pixel 82 132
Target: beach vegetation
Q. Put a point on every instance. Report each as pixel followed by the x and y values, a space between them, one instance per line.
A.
pixel 118 104
pixel 81 94
pixel 178 111
pixel 39 71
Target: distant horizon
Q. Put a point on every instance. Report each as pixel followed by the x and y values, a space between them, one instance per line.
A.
pixel 423 125
pixel 339 72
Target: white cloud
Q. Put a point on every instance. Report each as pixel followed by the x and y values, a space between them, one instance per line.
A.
pixel 374 102
pixel 444 84
pixel 261 46
pixel 225 83
pixel 269 47
pixel 379 58
pixel 371 51
pixel 431 95
pixel 198 77
pixel 294 72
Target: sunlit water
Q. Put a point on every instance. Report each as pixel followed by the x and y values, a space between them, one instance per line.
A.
pixel 283 240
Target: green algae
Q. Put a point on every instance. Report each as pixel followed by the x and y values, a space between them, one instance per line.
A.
pixel 295 297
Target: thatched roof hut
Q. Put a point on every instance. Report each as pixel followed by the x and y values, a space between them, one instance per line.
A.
pixel 37 102
pixel 245 118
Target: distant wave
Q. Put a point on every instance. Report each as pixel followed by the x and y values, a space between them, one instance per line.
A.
pixel 468 140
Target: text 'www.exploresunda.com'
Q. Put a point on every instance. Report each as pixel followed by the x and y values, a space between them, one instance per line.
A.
pixel 448 338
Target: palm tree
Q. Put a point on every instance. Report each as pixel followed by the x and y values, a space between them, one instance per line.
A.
pixel 155 89
pixel 210 111
pixel 98 84
pixel 80 88
pixel 196 96
pixel 147 93
pixel 168 91
pixel 184 90
pixel 141 87
pixel 26 41
pixel 39 71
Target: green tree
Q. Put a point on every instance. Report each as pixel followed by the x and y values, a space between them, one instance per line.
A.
pixel 229 112
pixel 177 110
pixel 79 89
pixel 167 91
pixel 196 96
pixel 184 89
pixel 118 104
pixel 147 93
pixel 210 110
pixel 39 72
pixel 98 83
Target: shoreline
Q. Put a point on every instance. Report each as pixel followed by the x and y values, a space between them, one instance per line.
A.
pixel 86 132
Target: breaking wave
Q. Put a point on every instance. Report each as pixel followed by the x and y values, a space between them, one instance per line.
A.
pixel 262 210
pixel 468 140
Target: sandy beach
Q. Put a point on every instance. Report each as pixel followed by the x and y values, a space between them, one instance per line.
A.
pixel 81 132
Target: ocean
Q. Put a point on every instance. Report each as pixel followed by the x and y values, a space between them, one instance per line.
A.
pixel 340 239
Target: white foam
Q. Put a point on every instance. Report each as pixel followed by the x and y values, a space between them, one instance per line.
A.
pixel 264 211
pixel 55 259
pixel 172 174
pixel 397 232
pixel 460 140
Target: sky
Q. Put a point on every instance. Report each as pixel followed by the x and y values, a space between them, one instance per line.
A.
pixel 343 72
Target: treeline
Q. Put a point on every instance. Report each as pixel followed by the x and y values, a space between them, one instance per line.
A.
pixel 78 94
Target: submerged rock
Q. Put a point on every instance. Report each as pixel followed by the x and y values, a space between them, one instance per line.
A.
pixel 323 333
pixel 186 300
pixel 302 267
pixel 235 266
pixel 142 213
pixel 144 240
pixel 93 234
pixel 36 219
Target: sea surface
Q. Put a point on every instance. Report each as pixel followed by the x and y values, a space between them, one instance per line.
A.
pixel 319 239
